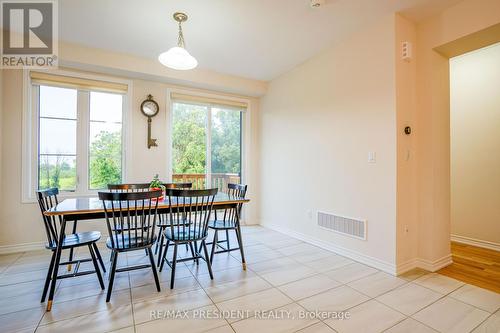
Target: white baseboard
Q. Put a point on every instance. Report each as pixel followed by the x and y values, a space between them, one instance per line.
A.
pixel 428 265
pixel 431 266
pixel 476 242
pixel 6 249
pixel 354 255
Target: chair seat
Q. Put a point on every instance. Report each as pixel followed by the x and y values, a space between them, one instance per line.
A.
pixel 184 235
pixel 221 225
pixel 78 239
pixel 129 243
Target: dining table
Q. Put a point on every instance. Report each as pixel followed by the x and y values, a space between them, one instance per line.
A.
pixel 92 208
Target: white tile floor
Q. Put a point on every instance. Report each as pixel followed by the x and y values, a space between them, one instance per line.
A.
pixel 289 277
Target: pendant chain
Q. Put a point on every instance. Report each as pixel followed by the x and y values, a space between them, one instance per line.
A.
pixel 180 40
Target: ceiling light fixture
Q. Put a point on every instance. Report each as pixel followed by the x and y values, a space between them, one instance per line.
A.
pixel 178 57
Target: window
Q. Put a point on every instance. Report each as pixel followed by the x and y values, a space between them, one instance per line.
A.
pixel 57 138
pixel 206 142
pixel 76 135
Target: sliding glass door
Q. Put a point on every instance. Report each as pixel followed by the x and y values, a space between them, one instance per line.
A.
pixel 206 144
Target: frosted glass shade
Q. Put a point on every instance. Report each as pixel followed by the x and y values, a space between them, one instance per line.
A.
pixel 178 58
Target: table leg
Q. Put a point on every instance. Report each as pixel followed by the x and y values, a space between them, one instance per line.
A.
pixel 56 264
pixel 71 250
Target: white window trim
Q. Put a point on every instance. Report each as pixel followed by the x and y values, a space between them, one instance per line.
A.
pixel 29 181
pixel 245 128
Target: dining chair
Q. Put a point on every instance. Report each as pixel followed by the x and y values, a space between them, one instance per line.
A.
pixel 226 220
pixel 131 221
pixel 131 187
pixel 195 206
pixel 164 222
pixel 47 199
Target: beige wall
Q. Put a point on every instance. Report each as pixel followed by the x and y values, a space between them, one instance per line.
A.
pixel 475 145
pixel 105 61
pixel 406 94
pixel 20 223
pixel 318 123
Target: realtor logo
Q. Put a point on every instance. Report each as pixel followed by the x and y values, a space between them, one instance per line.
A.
pixel 29 34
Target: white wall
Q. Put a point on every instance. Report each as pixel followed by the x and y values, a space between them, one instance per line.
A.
pixel 475 145
pixel 318 123
pixel 20 223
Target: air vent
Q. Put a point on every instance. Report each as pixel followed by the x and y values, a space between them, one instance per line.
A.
pixel 343 225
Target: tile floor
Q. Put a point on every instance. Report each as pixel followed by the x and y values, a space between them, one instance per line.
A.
pixel 290 286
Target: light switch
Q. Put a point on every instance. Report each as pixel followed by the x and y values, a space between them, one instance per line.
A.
pixel 372 157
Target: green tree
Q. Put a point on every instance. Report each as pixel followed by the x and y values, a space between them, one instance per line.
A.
pixel 226 139
pixel 105 160
pixel 188 138
pixel 55 171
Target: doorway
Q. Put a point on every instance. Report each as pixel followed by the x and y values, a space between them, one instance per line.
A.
pixel 475 167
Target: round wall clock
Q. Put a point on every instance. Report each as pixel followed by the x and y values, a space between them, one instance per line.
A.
pixel 149 107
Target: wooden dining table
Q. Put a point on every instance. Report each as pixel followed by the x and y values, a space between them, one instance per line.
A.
pixel 91 208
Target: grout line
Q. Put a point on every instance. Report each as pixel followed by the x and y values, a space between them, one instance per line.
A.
pixel 235 255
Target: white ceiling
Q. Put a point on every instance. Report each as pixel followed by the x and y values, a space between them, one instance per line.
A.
pixel 258 39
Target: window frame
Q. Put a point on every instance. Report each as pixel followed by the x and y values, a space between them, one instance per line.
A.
pixel 245 129
pixel 30 135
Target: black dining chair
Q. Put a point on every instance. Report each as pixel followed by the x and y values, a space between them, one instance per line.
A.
pixel 131 187
pixel 195 206
pixel 164 222
pixel 226 220
pixel 131 221
pixel 47 199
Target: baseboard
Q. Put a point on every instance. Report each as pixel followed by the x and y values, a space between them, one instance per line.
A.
pixel 431 266
pixel 6 249
pixel 476 242
pixel 354 255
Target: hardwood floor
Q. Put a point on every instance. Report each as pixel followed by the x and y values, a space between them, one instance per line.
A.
pixel 474 265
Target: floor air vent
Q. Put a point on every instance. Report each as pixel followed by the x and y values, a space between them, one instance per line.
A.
pixel 343 225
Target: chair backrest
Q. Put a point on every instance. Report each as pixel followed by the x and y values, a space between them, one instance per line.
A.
pixel 178 185
pixel 231 216
pixel 237 190
pixel 46 200
pixel 130 217
pixel 193 206
pixel 142 187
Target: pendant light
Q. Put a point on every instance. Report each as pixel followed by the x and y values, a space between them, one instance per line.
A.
pixel 178 57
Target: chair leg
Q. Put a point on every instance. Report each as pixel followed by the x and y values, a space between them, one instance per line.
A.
pixel 47 279
pixel 161 240
pixel 214 246
pixel 72 249
pixel 98 254
pixel 209 263
pixel 164 256
pixel 153 267
pixel 111 256
pixel 227 238
pixel 192 252
pixel 112 275
pixel 240 244
pixel 96 266
pixel 174 262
